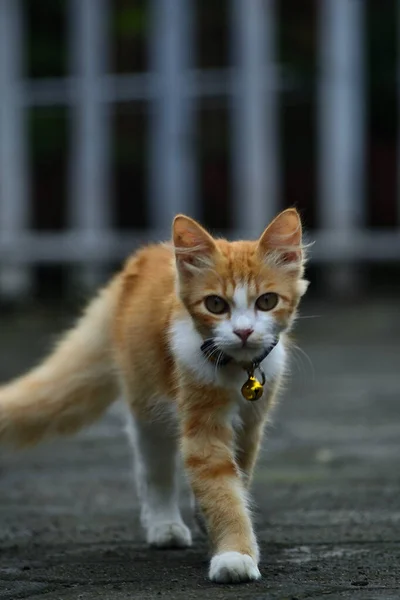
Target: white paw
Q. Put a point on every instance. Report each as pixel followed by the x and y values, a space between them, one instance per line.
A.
pixel 169 534
pixel 233 567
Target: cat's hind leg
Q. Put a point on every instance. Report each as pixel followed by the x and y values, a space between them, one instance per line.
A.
pixel 156 470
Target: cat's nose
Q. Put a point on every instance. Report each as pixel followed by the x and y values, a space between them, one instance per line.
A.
pixel 243 334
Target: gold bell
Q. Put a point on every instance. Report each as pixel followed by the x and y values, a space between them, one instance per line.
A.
pixel 252 389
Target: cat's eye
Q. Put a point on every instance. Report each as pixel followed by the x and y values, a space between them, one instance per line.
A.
pixel 267 301
pixel 216 305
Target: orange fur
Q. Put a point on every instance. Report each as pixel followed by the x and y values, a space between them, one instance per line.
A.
pixel 123 342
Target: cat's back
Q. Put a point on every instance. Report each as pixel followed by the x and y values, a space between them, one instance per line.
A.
pixel 147 280
pixel 151 264
pixel 146 300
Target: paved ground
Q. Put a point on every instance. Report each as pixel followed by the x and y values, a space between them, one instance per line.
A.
pixel 327 488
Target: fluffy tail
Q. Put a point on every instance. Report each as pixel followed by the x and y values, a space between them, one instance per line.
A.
pixel 70 389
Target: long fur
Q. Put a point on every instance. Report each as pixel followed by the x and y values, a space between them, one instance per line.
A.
pixel 69 390
pixel 142 337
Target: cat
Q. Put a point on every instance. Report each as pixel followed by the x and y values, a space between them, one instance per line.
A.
pixel 178 333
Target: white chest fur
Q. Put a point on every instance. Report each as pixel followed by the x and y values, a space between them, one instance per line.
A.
pixel 185 343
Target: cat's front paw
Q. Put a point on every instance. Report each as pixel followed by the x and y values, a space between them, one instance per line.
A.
pixel 233 567
pixel 169 534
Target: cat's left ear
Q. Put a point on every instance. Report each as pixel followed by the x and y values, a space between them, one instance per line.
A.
pixel 194 246
pixel 283 237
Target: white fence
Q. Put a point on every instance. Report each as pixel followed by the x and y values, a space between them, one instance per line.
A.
pixel 172 87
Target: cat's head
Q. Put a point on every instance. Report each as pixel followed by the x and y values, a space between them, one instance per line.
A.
pixel 243 293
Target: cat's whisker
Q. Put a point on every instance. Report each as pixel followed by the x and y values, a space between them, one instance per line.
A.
pixel 304 354
pixel 219 356
pixel 210 353
pixel 299 364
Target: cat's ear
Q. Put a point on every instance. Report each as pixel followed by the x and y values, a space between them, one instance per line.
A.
pixel 283 238
pixel 194 247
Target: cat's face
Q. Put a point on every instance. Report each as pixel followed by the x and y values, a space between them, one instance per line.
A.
pixel 241 294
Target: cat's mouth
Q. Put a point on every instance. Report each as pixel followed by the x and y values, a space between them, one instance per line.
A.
pixel 244 356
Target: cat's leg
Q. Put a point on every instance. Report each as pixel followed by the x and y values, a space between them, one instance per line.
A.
pixel 247 445
pixel 253 418
pixel 248 442
pixel 156 457
pixel 208 452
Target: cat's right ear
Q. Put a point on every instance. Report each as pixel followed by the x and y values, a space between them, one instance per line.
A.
pixel 194 247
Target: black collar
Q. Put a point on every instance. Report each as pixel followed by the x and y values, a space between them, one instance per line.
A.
pixel 213 354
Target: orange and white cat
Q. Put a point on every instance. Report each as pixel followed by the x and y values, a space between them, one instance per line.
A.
pixel 176 333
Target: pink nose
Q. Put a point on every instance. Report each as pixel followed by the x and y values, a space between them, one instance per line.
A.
pixel 244 334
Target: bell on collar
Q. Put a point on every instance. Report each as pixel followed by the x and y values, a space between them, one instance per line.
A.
pixel 252 389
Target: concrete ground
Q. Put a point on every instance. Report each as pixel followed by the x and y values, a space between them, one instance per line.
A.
pixel 327 488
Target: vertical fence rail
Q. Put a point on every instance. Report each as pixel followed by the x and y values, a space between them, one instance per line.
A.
pixel 398 113
pixel 341 125
pixel 89 201
pixel 14 202
pixel 172 165
pixel 171 91
pixel 254 115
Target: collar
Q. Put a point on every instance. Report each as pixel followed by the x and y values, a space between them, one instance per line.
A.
pixel 211 352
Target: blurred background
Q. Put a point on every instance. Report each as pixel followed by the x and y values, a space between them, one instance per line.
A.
pixel 114 116
pixel 117 114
